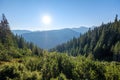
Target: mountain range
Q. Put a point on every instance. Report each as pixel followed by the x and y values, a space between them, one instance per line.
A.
pixel 51 38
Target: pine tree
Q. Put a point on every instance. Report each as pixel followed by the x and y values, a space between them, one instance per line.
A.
pixel 116 18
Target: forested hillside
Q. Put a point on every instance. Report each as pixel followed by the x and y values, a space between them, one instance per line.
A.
pixel 20 60
pixel 103 42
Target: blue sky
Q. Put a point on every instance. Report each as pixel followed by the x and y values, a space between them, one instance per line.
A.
pixel 27 14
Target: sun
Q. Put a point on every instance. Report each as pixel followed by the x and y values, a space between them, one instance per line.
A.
pixel 46 20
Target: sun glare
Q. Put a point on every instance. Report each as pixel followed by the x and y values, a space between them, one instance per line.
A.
pixel 46 20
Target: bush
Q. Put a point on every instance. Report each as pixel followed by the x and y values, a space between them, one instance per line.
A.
pixel 4 56
pixel 9 72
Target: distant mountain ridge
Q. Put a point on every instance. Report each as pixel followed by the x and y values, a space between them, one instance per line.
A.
pixel 81 29
pixel 19 32
pixel 51 38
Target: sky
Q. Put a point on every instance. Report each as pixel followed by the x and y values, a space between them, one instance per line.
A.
pixel 28 14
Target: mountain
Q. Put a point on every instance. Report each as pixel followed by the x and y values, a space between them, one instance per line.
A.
pixel 103 42
pixel 49 39
pixel 81 29
pixel 19 32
